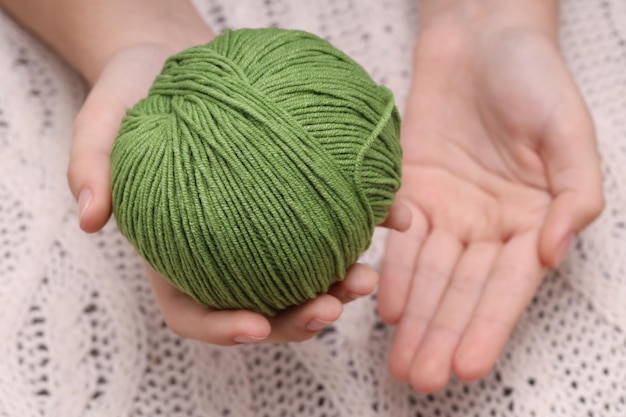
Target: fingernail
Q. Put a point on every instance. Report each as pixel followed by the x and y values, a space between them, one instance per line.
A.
pixel 84 199
pixel 564 248
pixel 243 338
pixel 317 324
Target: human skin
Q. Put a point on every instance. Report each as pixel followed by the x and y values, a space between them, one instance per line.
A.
pixel 500 170
pixel 119 46
pixel 500 173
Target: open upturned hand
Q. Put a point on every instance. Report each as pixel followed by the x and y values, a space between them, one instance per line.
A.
pixel 500 172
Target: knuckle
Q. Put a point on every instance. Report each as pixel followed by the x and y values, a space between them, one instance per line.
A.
pixel 431 272
pixel 512 282
pixel 502 322
pixel 467 283
pixel 445 328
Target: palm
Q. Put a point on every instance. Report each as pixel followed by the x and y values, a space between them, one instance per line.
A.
pixel 483 184
pixel 473 165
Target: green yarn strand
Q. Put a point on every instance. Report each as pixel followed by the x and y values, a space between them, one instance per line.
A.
pixel 254 173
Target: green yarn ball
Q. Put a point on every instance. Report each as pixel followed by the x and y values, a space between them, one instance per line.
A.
pixel 253 174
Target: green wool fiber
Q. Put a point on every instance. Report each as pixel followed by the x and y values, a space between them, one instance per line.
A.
pixel 253 174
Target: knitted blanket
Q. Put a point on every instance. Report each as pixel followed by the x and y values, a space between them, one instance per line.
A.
pixel 80 334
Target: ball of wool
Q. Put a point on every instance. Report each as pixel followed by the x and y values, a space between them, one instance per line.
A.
pixel 254 173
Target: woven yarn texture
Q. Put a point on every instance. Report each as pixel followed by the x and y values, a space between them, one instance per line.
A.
pixel 81 335
pixel 255 171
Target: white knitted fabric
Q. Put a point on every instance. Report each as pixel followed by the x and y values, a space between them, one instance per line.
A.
pixel 80 334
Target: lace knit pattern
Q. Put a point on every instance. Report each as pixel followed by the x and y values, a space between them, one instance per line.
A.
pixel 81 335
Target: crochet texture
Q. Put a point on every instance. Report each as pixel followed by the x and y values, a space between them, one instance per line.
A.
pixel 80 333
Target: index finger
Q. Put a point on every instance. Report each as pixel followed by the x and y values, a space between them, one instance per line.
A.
pixel 573 165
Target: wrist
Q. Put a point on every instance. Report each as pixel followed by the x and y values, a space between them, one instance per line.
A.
pixel 90 58
pixel 89 33
pixel 475 17
pixel 172 30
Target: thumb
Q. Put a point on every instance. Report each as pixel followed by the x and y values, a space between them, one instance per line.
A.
pixel 573 165
pixel 88 174
pixel 125 80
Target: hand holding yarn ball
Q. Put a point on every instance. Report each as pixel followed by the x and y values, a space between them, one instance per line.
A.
pixel 253 174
